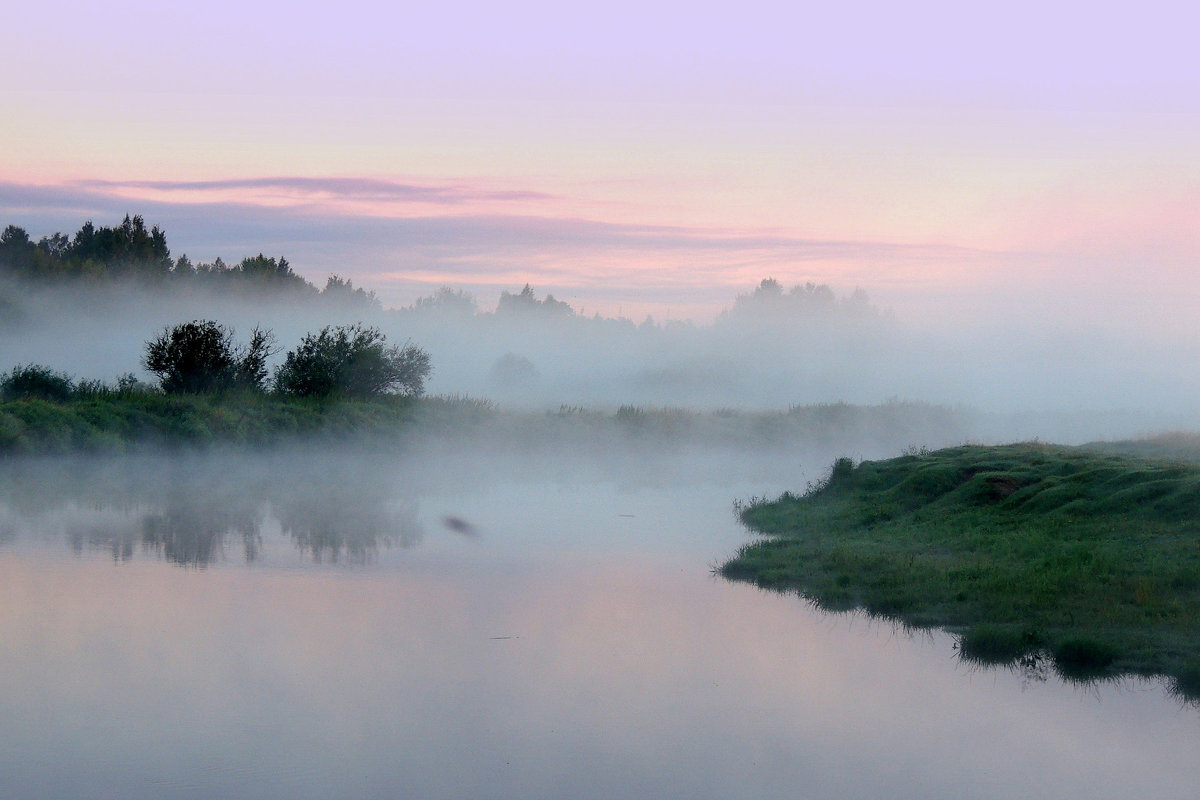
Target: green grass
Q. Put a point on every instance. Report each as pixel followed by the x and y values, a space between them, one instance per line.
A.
pixel 1088 557
pixel 98 418
pixel 116 422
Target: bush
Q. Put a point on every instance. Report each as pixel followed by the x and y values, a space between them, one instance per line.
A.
pixel 34 380
pixel 352 361
pixel 511 372
pixel 127 385
pixel 200 356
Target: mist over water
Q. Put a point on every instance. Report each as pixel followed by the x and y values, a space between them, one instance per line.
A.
pixel 307 624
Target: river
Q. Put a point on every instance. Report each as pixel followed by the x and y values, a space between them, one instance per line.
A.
pixel 315 625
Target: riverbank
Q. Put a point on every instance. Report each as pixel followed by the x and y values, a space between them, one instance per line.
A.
pixel 108 422
pixel 128 422
pixel 1083 558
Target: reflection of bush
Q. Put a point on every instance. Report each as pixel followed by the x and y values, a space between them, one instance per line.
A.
pixel 194 533
pixel 115 535
pixel 343 523
pixel 194 511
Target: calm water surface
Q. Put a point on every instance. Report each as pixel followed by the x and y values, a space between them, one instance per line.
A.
pixel 318 625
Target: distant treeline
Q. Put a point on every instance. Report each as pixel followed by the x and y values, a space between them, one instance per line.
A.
pixel 131 251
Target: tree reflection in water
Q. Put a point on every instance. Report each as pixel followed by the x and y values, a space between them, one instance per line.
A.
pixel 112 534
pixel 193 511
pixel 340 523
pixel 191 534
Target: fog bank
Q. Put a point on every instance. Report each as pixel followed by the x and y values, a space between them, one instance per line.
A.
pixel 774 348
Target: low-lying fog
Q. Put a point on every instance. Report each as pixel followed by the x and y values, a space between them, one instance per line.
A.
pixel 314 624
pixel 773 348
pixel 536 588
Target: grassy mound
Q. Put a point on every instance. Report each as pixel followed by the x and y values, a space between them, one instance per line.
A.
pixel 1089 558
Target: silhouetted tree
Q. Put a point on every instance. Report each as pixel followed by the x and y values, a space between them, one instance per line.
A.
pixel 447 300
pixel 341 290
pixel 128 248
pixel 200 356
pixel 271 272
pixel 526 302
pixel 352 361
pixel 769 301
pixel 56 246
pixel 183 267
pixel 17 253
pixel 251 364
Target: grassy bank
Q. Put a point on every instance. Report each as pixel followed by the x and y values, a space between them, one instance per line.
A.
pixel 1087 559
pixel 121 422
pixel 110 420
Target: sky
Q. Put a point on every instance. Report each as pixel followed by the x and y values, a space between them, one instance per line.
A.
pixel 1025 160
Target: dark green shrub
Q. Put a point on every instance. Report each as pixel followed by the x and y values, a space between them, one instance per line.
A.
pixel 34 380
pixel 200 356
pixel 352 361
pixel 12 431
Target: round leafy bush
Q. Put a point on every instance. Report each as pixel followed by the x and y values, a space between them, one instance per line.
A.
pixel 34 380
pixel 352 361
pixel 200 356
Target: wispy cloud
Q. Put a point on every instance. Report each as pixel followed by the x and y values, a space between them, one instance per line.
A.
pixel 372 189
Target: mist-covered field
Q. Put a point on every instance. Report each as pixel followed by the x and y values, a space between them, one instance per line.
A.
pixel 773 348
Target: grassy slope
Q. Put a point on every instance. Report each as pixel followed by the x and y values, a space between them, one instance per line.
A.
pixel 1091 557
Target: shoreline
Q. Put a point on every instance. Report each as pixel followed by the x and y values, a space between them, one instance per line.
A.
pixel 1086 558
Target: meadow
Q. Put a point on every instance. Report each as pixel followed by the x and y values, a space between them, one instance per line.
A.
pixel 1083 558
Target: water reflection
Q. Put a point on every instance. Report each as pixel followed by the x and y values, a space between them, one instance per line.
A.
pixel 102 533
pixel 8 527
pixel 578 648
pixel 195 512
pixel 191 534
pixel 341 523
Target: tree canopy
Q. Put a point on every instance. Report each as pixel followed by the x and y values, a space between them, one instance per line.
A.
pixel 200 356
pixel 526 302
pixel 352 361
pixel 132 251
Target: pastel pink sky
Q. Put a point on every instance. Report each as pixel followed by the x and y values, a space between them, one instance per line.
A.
pixel 648 157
